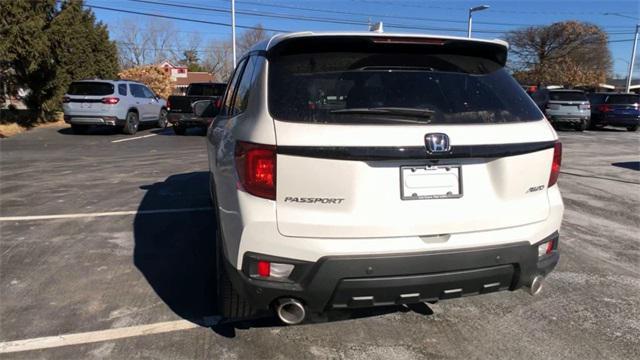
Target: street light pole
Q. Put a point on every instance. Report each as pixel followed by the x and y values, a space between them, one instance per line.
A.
pixel 233 31
pixel 471 10
pixel 633 58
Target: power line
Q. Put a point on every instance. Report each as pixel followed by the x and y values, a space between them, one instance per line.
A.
pixel 519 11
pixel 284 6
pixel 187 48
pixel 179 18
pixel 252 27
pixel 318 19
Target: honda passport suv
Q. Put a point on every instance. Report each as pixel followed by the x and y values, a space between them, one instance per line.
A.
pixel 120 103
pixel 362 169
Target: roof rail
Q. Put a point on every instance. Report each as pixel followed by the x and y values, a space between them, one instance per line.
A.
pixel 130 80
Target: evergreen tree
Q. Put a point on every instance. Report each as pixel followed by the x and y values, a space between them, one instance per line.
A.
pixel 45 47
pixel 191 61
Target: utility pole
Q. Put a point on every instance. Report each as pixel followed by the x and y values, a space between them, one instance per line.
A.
pixel 233 31
pixel 633 58
pixel 471 10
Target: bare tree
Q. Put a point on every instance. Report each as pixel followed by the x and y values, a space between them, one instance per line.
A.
pixel 218 56
pixel 151 43
pixel 251 37
pixel 568 53
pixel 217 60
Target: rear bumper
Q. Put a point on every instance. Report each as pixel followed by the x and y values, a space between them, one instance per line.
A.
pixel 617 120
pixel 337 282
pixel 94 120
pixel 187 120
pixel 567 118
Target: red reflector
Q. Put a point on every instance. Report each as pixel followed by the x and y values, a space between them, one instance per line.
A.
pixel 549 247
pixel 256 166
pixel 110 100
pixel 264 268
pixel 555 165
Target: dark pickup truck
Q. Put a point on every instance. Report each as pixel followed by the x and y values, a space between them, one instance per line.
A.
pixel 181 108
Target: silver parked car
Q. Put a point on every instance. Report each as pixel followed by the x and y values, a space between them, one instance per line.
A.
pixel 120 103
pixel 562 106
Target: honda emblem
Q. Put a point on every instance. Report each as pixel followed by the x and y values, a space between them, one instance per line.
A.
pixel 437 143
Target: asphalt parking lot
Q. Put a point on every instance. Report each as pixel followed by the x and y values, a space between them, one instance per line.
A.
pixel 134 278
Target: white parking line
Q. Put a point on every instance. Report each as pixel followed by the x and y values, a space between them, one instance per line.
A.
pixel 94 336
pixel 134 138
pixel 111 213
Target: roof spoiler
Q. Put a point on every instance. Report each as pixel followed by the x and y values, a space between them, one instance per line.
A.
pixel 494 51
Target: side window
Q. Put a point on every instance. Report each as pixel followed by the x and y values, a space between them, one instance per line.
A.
pixel 147 93
pixel 122 89
pixel 231 89
pixel 244 87
pixel 136 90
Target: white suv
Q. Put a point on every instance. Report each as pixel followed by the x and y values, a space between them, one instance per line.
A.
pixel 361 169
pixel 120 103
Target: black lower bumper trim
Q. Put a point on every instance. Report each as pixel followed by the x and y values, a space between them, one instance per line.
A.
pixel 394 290
pixel 372 280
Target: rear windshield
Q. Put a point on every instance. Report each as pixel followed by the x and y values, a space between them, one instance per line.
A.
pixel 623 99
pixel 90 88
pixel 206 89
pixel 427 85
pixel 567 96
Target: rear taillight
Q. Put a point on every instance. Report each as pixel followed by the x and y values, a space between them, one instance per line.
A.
pixel 604 108
pixel 555 165
pixel 218 103
pixel 546 248
pixel 256 166
pixel 169 104
pixel 66 99
pixel 110 100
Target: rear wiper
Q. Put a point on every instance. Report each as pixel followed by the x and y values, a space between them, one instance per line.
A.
pixel 410 112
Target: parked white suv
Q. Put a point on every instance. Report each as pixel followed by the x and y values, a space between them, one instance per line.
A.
pixel 121 103
pixel 361 169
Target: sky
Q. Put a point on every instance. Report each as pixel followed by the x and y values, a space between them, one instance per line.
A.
pixel 413 16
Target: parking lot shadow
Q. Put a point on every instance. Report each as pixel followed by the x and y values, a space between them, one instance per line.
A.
pixel 175 252
pixel 189 132
pixel 95 130
pixel 631 165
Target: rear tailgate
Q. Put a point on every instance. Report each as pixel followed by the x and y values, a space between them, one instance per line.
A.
pixel 320 196
pixel 569 108
pixel 85 97
pixel 354 118
pixel 624 105
pixel 182 104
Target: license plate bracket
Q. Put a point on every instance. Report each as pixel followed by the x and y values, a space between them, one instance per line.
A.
pixel 427 182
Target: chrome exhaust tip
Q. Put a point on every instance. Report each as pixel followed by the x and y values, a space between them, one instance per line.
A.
pixel 536 285
pixel 290 311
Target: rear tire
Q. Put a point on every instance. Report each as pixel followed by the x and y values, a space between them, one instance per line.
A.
pixel 162 119
pixel 582 125
pixel 79 129
pixel 231 305
pixel 633 128
pixel 179 130
pixel 131 124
